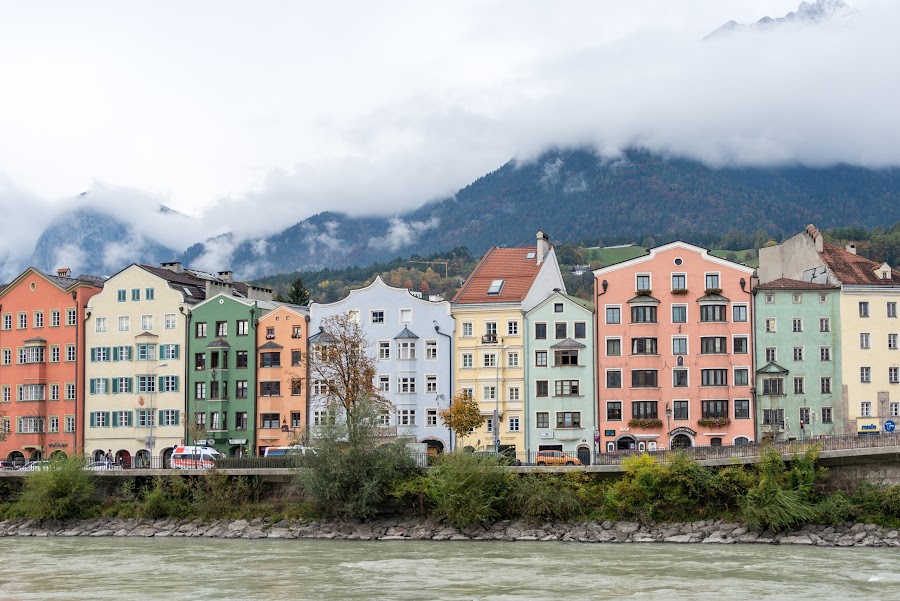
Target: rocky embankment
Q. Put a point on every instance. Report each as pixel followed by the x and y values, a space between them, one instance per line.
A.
pixel 705 532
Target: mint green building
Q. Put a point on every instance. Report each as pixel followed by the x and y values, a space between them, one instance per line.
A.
pixel 221 373
pixel 798 360
pixel 560 399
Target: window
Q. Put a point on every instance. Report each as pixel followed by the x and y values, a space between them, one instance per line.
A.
pixel 771 325
pixel 70 353
pixel 742 409
pixel 240 389
pixel 712 312
pixel 121 385
pixel 489 422
pixel 221 329
pixel 894 375
pixel 146 323
pixel 772 417
pixel 99 419
pixel 490 329
pixel 643 410
pixel 739 313
pixel 200 329
pixel 679 378
pixel 54 424
pixel 30 425
pixel 512 328
pixel 467 329
pixel 714 377
pixel 561 330
pixel 863 309
pixel 796 324
pixel 121 295
pixel 799 385
pixel 542 388
pixel 7 321
pixel 865 375
pixel 680 410
pixel 200 390
pixel 895 410
pixel 865 409
pixel 613 379
pixel 124 323
pixel 39 319
pixel 741 376
pixel 377 316
pixel 431 349
pixel 825 353
pixel 270 359
pixel 542 419
pixel 642 282
pixel 31 392
pixel 241 359
pixel 100 324
pixel 467 360
pixel 431 384
pixel 568 419
pixel 773 386
pixel 643 314
pixel 406 349
pixel 826 415
pixel 643 346
pixel 741 345
pixel 613 347
pixel 145 418
pixel 566 388
pixel 490 393
pixel 798 353
pixel 54 318
pixel 712 281
pixel 797 297
pixel 712 345
pixel 136 294
pixel 406 417
pixel 679 313
pixel 679 346
pixel 892 309
pixel 296 358
pixel 169 383
pixel 566 357
pixel 269 421
pixel 714 409
pixel 513 424
pixel 580 330
pixel 825 385
pixel 270 388
pixel 146 352
pixel 384 349
pixel 864 340
pixel 7 356
pixel 489 360
pixel 146 384
pixel 512 359
pixel 99 386
pixel 405 315
pixel 7 394
pixel 679 281
pixel 824 324
pixel 495 287
pixel 892 342
pixel 100 353
pixel 431 418
pixel 70 317
pixel 54 354
pixel 406 384
pixel 644 378
pixel 613 315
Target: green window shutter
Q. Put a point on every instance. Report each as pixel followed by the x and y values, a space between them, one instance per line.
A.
pixel 115 353
pixel 160 422
pixel 115 419
pixel 93 386
pixel 176 384
pixel 162 350
pixel 130 384
pixel 93 354
pixel 130 419
pixel 106 416
pixel 175 351
pixel 129 352
pixel 93 420
pixel 159 384
pixel 177 417
pixel 108 352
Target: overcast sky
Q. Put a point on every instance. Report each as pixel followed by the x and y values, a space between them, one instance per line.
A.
pixel 251 116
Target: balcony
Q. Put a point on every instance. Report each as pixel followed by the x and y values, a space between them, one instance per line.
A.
pixel 489 339
pixel 386 431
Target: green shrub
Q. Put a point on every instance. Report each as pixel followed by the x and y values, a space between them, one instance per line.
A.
pixel 467 489
pixel 835 509
pixel 169 497
pixel 779 501
pixel 729 485
pixel 542 497
pixel 65 490
pixel 413 491
pixel 216 496
pixel 637 495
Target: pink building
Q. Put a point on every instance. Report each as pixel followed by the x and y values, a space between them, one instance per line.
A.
pixel 674 351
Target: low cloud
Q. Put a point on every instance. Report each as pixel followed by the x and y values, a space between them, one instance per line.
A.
pixel 403 233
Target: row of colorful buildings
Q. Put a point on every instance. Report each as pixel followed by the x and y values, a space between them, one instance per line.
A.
pixel 677 348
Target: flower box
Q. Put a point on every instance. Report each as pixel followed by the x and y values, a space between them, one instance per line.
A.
pixel 645 423
pixel 713 422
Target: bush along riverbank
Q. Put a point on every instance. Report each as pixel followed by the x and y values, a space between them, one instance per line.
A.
pixel 375 492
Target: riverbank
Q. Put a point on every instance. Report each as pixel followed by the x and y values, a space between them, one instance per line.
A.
pixel 705 532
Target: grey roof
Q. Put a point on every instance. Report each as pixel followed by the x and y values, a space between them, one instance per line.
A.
pixel 772 368
pixel 713 298
pixel 36 339
pixel 568 343
pixel 643 299
pixel 270 345
pixel 218 343
pixel 405 335
pixel 146 335
pixel 320 336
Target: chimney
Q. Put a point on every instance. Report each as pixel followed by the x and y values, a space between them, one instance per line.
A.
pixel 851 248
pixel 64 272
pixel 172 266
pixel 225 276
pixel 543 245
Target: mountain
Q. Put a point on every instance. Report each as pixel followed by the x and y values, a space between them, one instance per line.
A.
pixel 809 13
pixel 574 195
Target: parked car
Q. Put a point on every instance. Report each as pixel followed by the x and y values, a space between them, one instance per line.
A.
pixel 556 458
pixel 33 466
pixel 102 465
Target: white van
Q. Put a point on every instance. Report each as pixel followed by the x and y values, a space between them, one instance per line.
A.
pixel 195 458
pixel 285 451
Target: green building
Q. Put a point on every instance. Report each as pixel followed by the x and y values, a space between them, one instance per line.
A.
pixel 222 367
pixel 798 359
pixel 560 398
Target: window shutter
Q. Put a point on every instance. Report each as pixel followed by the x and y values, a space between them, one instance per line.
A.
pixel 93 354
pixel 93 386
pixel 106 415
pixel 159 384
pixel 93 420
pixel 160 421
pixel 115 419
pixel 177 417
pixel 129 384
pixel 106 388
pixel 115 385
pixel 176 384
pixel 175 351
pixel 115 353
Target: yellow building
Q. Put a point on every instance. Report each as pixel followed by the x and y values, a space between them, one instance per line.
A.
pixel 489 341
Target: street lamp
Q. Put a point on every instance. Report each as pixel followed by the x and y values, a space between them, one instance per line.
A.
pixel 668 417
pixel 150 440
pixel 497 399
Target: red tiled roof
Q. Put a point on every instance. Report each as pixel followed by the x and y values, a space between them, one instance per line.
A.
pixel 853 269
pixel 789 284
pixel 508 264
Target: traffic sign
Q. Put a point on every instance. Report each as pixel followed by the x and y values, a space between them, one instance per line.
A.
pixel 889 425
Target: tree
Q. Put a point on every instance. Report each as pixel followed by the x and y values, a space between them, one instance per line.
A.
pixel 297 294
pixel 339 360
pixel 463 415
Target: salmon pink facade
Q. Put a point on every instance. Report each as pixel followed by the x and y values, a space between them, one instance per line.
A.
pixel 674 351
pixel 41 368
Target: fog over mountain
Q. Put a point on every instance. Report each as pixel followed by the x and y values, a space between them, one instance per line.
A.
pixel 304 111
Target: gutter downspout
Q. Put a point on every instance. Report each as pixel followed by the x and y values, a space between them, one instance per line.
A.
pixel 252 436
pixel 437 329
pixel 754 281
pixel 187 384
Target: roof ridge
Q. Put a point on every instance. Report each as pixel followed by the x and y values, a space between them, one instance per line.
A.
pixel 474 273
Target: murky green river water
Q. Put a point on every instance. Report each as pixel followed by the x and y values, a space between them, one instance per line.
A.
pixel 225 570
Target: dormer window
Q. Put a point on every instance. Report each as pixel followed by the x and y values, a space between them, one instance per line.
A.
pixel 885 275
pixel 530 254
pixel 495 287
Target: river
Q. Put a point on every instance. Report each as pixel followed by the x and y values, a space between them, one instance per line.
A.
pixel 240 570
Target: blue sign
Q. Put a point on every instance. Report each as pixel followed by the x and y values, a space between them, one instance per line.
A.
pixel 889 425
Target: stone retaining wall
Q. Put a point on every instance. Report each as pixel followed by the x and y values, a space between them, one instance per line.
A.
pixel 706 532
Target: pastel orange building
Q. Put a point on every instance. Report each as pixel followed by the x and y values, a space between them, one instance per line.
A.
pixel 674 351
pixel 282 382
pixel 41 364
